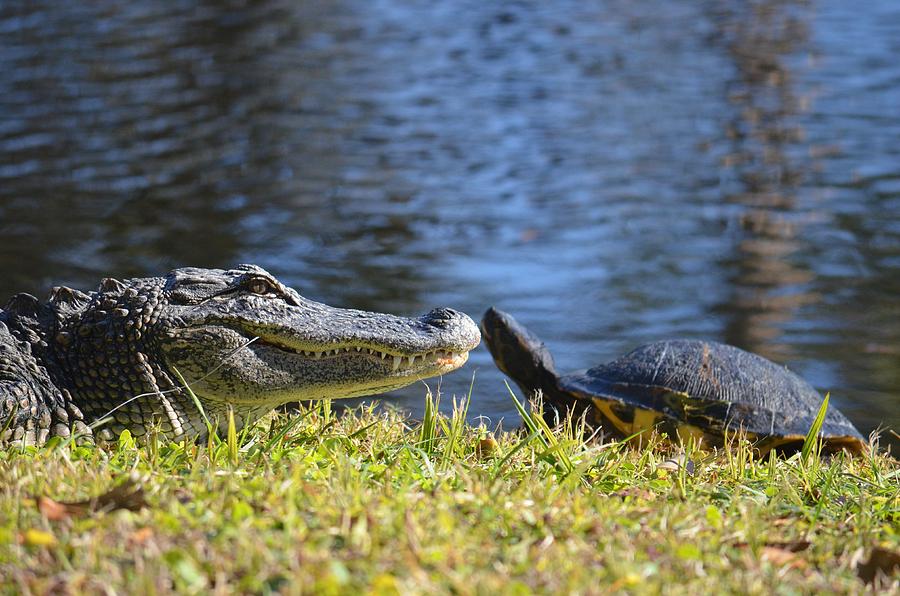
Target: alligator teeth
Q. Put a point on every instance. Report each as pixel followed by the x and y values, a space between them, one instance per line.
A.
pixel 398 361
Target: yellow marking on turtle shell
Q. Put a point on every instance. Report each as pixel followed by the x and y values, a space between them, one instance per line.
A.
pixel 646 419
pixel 643 419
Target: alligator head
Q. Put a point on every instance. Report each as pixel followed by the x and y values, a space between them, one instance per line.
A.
pixel 240 340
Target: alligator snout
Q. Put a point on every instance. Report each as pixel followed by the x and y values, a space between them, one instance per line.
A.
pixel 455 328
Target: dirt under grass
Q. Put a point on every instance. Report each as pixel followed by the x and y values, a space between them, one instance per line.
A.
pixel 369 502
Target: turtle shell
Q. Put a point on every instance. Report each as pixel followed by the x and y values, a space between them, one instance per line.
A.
pixel 705 389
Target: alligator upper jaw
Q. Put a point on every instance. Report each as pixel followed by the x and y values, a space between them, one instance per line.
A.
pixel 390 347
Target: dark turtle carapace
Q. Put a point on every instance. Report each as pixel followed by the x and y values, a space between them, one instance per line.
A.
pixel 681 387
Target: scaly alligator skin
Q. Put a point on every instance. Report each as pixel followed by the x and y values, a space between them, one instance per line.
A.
pixel 239 338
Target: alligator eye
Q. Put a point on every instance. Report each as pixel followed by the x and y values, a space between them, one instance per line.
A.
pixel 259 286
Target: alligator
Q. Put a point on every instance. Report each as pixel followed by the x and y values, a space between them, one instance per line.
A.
pixel 124 356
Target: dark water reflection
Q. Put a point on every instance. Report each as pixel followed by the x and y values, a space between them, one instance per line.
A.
pixel 609 173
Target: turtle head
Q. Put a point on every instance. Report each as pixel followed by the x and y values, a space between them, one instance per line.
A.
pixel 518 352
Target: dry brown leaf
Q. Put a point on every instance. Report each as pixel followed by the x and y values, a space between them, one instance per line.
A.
pixel 141 535
pixel 127 495
pixel 783 521
pixel 781 553
pixel 793 546
pixel 56 511
pixel 881 561
pixel 781 557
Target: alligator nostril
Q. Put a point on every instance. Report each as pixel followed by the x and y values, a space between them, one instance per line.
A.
pixel 439 317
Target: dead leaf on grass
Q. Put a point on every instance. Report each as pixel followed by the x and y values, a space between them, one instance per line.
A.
pixel 127 495
pixel 54 510
pixel 141 535
pixel 783 521
pixel 781 557
pixel 781 553
pixel 793 546
pixel 881 561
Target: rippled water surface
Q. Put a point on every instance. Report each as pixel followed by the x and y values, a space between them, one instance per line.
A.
pixel 609 173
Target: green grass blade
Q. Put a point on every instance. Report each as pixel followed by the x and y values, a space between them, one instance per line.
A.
pixel 286 428
pixel 538 426
pixel 526 417
pixel 813 434
pixel 197 404
pixel 428 432
pixel 232 438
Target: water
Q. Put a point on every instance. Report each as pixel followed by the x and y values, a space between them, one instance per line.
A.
pixel 609 173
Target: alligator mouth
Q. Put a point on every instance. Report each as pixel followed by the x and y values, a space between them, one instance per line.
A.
pixel 444 359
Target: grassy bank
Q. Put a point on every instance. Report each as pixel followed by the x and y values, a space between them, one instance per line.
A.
pixel 372 502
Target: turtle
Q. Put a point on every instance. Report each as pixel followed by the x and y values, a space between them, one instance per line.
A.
pixel 681 387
